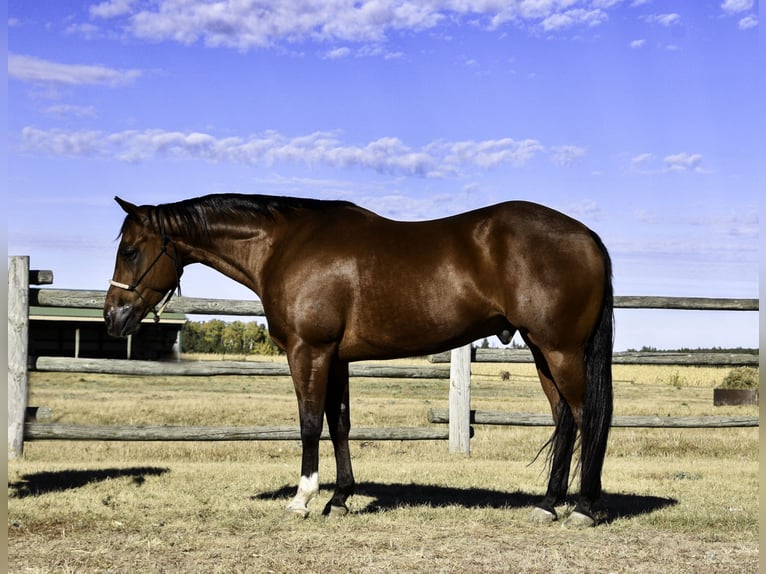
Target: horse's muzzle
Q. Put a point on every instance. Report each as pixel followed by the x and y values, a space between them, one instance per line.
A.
pixel 121 321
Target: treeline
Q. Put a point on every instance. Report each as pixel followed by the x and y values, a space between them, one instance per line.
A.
pixel 227 338
pixel 732 350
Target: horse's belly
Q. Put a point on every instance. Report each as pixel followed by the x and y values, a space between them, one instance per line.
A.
pixel 406 330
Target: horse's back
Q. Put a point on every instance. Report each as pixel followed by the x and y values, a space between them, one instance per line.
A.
pixel 384 288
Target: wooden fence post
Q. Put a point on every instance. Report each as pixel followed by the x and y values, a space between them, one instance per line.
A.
pixel 18 338
pixel 460 401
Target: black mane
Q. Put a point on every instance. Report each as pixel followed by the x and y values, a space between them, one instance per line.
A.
pixel 195 216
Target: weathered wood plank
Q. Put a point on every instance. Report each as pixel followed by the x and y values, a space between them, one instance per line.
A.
pixel 460 401
pixel 621 358
pixel 436 415
pixel 192 305
pixel 685 359
pixel 59 431
pixel 398 371
pixel 76 298
pixel 40 277
pixel 18 335
pixel 83 299
pixel 690 303
pixel 38 414
pixel 211 368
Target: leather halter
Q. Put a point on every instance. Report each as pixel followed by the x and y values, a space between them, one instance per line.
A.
pixel 164 251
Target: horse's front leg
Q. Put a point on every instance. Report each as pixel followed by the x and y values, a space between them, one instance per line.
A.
pixel 309 368
pixel 339 423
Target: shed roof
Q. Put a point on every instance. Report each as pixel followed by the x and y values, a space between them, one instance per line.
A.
pixel 89 315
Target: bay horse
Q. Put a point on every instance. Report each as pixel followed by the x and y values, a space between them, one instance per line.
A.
pixel 339 283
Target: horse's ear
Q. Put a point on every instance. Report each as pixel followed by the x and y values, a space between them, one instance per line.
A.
pixel 129 208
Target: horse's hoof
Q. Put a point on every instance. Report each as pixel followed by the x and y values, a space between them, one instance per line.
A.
pixel 337 511
pixel 541 516
pixel 578 521
pixel 295 514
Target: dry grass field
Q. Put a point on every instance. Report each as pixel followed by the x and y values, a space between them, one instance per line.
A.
pixel 680 500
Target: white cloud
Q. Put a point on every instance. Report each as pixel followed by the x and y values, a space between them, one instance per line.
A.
pixel 337 53
pixel 683 162
pixel 586 209
pixel 37 70
pixel 664 19
pixel 67 110
pixel 575 17
pixel 741 224
pixel 112 8
pixel 605 3
pixel 378 50
pixel 647 163
pixel 60 143
pixel 246 23
pixel 243 24
pixel 641 162
pixel 736 6
pixel 385 154
pixel 489 153
pixel 566 154
pixel 638 43
pixel 748 22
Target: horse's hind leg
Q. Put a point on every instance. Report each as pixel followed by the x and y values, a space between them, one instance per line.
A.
pixel 339 423
pixel 568 373
pixel 561 443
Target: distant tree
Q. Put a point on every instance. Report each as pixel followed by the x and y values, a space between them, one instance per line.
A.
pixel 233 338
pixel 213 336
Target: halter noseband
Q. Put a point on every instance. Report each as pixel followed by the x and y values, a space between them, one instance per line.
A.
pixel 164 251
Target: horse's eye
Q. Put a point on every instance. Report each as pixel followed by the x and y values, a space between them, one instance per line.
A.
pixel 129 254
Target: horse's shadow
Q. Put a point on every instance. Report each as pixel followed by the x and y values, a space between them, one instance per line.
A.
pixel 384 496
pixel 391 496
pixel 39 483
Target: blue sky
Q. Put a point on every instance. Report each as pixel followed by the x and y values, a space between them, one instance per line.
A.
pixel 638 117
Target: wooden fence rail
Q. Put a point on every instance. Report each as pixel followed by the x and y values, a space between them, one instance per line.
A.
pixel 211 368
pixel 80 299
pixel 436 415
pixel 620 358
pixel 191 305
pixel 59 431
pixel 21 296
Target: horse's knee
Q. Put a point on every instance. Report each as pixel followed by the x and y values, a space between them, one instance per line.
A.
pixel 311 429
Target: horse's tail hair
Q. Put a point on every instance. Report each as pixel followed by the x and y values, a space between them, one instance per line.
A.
pixel 597 409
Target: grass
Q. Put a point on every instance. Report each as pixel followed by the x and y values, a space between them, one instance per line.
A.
pixel 741 378
pixel 680 500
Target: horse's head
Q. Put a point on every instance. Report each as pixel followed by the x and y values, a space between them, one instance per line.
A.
pixel 146 270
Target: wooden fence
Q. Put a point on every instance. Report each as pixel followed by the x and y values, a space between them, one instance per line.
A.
pixel 459 417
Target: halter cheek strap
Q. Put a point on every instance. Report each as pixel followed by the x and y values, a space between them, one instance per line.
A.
pixel 157 312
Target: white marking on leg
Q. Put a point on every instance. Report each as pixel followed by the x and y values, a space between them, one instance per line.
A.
pixel 308 488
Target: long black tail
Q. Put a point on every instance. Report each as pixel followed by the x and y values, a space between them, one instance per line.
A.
pixel 597 410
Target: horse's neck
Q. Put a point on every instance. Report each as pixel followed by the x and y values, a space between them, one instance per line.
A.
pixel 240 257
